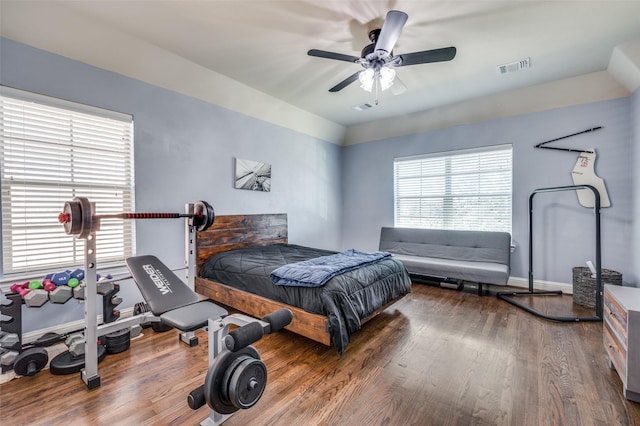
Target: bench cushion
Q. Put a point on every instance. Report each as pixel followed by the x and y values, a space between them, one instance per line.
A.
pixel 481 272
pixel 161 289
pixel 193 317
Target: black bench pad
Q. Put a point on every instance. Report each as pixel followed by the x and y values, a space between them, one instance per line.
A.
pixel 193 317
pixel 161 289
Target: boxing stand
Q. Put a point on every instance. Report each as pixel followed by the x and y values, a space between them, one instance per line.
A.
pixel 506 295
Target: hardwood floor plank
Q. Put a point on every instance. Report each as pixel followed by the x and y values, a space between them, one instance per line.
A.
pixel 437 357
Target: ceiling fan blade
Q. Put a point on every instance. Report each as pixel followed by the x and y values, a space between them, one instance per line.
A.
pixel 427 56
pixel 331 55
pixel 344 83
pixel 391 29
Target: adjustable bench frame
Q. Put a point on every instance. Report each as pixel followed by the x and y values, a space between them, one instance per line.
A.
pixel 176 304
pixel 92 331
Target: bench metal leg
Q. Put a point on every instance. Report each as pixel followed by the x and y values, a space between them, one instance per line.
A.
pixel 89 374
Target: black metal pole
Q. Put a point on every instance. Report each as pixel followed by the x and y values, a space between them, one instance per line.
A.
pixel 599 290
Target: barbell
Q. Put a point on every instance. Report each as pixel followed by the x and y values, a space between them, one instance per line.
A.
pixel 78 219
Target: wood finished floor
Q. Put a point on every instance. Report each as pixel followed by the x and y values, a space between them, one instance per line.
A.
pixel 437 357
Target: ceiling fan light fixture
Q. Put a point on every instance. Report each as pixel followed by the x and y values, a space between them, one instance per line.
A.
pixel 369 76
pixel 386 77
pixel 366 79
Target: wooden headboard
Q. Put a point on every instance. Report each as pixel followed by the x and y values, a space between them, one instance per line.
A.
pixel 239 231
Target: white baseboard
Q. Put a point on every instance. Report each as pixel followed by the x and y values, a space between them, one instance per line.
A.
pixel 541 285
pixel 67 328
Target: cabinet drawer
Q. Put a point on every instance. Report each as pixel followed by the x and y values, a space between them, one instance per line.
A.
pixel 616 351
pixel 616 315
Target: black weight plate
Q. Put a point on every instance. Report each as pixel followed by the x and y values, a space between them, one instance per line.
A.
pixel 118 341
pixel 74 223
pixel 214 382
pixel 86 216
pixel 160 327
pixel 30 361
pixel 117 348
pixel 226 378
pixel 119 336
pixel 247 383
pixel 206 215
pixel 65 363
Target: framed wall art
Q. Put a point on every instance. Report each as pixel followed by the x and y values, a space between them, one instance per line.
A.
pixel 252 175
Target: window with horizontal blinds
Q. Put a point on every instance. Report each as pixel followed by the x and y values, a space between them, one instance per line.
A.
pixel 459 190
pixel 53 151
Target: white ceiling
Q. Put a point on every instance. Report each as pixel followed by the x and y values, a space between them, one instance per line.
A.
pixel 263 43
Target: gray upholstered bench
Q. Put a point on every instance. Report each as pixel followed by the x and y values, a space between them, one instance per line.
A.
pixel 478 256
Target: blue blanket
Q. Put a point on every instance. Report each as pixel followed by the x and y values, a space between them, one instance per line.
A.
pixel 316 272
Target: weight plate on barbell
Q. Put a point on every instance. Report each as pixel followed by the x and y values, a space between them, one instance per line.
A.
pixel 247 383
pixel 73 225
pixel 86 217
pixel 215 380
pixel 204 215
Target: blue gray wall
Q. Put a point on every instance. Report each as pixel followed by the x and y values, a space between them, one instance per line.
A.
pixel 564 232
pixel 635 179
pixel 184 151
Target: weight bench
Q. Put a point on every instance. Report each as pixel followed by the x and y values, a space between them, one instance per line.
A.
pixel 170 299
pixel 236 377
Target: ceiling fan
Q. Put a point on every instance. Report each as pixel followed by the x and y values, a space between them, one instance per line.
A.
pixel 377 58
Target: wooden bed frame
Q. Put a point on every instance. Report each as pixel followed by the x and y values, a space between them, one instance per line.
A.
pixel 239 231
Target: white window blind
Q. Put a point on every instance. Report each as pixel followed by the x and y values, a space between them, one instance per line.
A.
pixel 459 190
pixel 53 151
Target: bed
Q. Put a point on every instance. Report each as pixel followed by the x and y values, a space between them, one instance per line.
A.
pixel 329 314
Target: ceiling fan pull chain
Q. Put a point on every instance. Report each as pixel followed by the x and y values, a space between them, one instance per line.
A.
pixel 376 82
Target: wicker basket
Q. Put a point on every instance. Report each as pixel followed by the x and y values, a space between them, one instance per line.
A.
pixel 584 286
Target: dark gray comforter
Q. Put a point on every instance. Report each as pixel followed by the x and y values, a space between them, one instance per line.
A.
pixel 345 299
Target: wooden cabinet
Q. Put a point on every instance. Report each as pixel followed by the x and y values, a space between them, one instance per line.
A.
pixel 621 336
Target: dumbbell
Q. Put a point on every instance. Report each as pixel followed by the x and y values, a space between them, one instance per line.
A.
pixel 36 298
pixel 59 278
pixel 8 357
pixel 106 277
pixel 10 341
pixel 15 288
pixel 78 292
pixel 48 285
pixel 77 274
pixel 35 284
pixel 61 294
pixel 75 343
pixel 104 287
pixel 23 292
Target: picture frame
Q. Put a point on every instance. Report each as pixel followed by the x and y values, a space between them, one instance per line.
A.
pixel 252 175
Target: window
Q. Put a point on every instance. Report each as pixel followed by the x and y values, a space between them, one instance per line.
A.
pixel 462 190
pixel 53 151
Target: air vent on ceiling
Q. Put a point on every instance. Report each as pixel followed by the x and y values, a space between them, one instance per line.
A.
pixel 515 66
pixel 363 107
